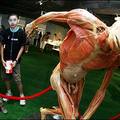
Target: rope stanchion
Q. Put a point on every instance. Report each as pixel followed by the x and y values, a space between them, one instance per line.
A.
pixel 27 97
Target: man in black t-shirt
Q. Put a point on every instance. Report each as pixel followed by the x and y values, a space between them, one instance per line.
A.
pixel 13 41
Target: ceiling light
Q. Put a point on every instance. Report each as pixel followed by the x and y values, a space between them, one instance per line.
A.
pixel 41 2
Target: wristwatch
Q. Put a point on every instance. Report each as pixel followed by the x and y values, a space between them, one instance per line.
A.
pixel 16 61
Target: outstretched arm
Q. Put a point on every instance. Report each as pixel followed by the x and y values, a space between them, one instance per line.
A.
pixel 79 17
pixel 54 16
pixel 100 94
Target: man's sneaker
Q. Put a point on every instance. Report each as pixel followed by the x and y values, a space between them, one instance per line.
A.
pixel 22 102
pixel 5 99
pixel 4 110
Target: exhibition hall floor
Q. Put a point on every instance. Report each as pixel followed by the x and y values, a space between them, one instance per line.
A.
pixel 36 69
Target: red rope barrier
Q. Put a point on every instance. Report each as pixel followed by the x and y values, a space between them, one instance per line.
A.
pixel 38 95
pixel 27 97
pixel 115 117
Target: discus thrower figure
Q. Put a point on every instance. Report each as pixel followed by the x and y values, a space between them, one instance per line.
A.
pixel 89 44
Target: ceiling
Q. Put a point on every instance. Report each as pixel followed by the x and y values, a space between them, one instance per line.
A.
pixel 32 8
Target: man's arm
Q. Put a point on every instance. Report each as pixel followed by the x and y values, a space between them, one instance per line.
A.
pixel 54 16
pixel 20 53
pixel 18 56
pixel 22 44
pixel 2 45
pixel 2 54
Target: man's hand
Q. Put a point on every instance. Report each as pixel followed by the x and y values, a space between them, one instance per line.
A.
pixel 30 28
pixel 4 63
pixel 14 63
